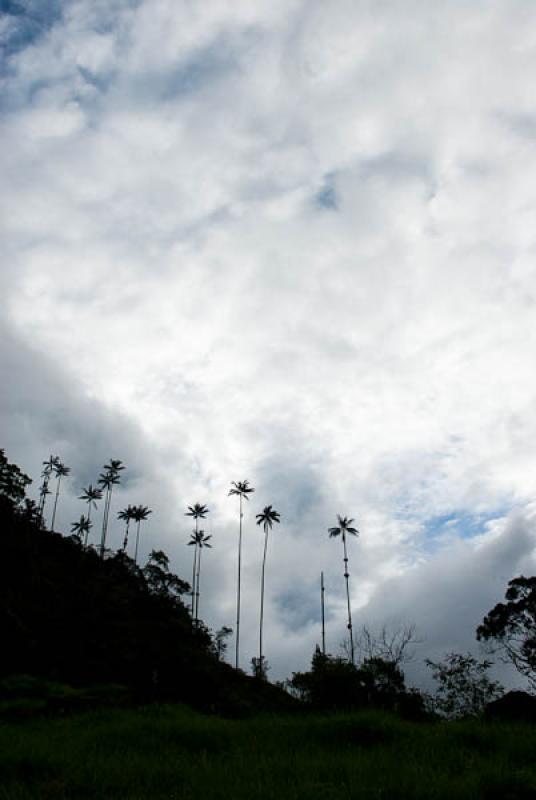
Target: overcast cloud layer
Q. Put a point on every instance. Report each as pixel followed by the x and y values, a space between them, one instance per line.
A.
pixel 292 242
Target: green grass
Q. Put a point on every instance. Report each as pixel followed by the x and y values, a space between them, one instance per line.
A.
pixel 173 753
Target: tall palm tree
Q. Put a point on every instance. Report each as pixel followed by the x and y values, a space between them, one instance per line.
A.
pixel 266 519
pixel 48 468
pixel 82 527
pixel 60 471
pixel 343 529
pixel 108 479
pixel 140 515
pixel 90 496
pixel 241 489
pixel 197 511
pixel 127 514
pixel 199 540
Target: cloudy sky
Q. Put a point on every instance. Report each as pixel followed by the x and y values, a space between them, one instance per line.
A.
pixel 293 242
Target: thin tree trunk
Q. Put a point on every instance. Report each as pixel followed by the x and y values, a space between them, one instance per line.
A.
pixel 194 573
pixel 323 614
pixel 237 643
pixel 55 503
pixel 262 600
pixel 137 542
pixel 105 521
pixel 42 501
pixel 197 586
pixel 125 540
pixel 347 575
pixel 88 524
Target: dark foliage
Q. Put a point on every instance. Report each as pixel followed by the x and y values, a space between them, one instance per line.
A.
pixel 69 616
pixel 510 628
pixel 512 707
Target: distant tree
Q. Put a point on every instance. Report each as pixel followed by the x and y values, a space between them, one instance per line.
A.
pixel 220 641
pixel 392 644
pixel 197 511
pixel 126 515
pixel 141 513
pixel 260 668
pixel 160 580
pixel 82 528
pixel 199 540
pixel 29 511
pixel 464 687
pixel 108 479
pixel 266 518
pixel 44 491
pixel 60 471
pixel 13 483
pixel 510 627
pixel 241 489
pixel 343 529
pixel 90 496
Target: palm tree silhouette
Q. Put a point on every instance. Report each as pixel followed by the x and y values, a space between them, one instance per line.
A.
pixel 126 515
pixel 82 527
pixel 108 479
pixel 48 468
pixel 345 527
pixel 199 540
pixel 197 511
pixel 60 471
pixel 140 515
pixel 241 489
pixel 266 519
pixel 90 496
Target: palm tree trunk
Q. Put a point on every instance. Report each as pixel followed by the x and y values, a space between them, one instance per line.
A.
pixel 105 521
pixel 197 586
pixel 88 524
pixel 322 592
pixel 125 540
pixel 137 542
pixel 55 503
pixel 193 581
pixel 262 598
pixel 42 501
pixel 347 576
pixel 237 643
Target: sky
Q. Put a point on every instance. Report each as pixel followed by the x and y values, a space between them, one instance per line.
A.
pixel 291 242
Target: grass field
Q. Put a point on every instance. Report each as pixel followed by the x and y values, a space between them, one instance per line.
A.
pixel 172 752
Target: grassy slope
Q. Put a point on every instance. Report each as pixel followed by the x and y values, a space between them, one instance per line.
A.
pixel 172 752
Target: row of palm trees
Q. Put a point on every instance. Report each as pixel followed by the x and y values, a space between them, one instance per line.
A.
pixel 110 477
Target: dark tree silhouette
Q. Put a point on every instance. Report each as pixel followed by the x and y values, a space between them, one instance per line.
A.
pixel 199 540
pixel 13 483
pixel 82 528
pixel 241 489
pixel 266 518
pixel 90 496
pixel 345 527
pixel 197 511
pixel 220 641
pixel 48 467
pixel 510 627
pixel 141 513
pixel 60 471
pixel 126 515
pixel 108 479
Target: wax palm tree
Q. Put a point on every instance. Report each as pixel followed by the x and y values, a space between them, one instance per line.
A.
pixel 343 529
pixel 241 489
pixel 60 471
pixel 48 468
pixel 266 519
pixel 82 527
pixel 127 514
pixel 90 496
pixel 197 511
pixel 140 515
pixel 108 479
pixel 199 540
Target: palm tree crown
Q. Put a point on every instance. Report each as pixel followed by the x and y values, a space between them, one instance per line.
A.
pixel 267 518
pixel 91 495
pixel 197 511
pixel 344 527
pixel 241 488
pixel 82 527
